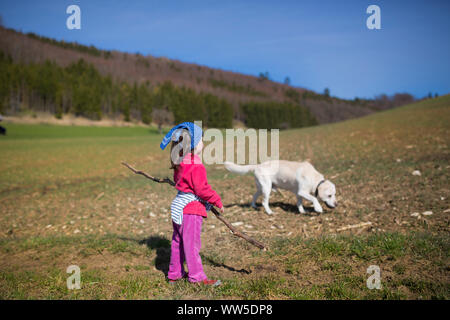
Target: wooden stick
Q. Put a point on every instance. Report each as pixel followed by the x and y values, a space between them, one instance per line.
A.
pixel 353 226
pixel 235 232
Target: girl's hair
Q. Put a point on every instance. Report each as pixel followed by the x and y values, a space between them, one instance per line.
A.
pixel 184 149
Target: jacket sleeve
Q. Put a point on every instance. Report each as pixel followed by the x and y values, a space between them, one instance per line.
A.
pixel 202 188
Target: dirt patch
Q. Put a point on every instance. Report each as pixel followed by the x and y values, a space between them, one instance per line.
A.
pixel 60 208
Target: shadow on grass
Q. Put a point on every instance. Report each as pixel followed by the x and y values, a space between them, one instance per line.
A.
pixel 222 265
pixel 287 207
pixel 162 260
pixel 162 247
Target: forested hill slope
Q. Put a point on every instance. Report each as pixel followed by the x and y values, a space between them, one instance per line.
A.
pixel 44 74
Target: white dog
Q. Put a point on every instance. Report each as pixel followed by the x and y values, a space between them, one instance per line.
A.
pixel 298 177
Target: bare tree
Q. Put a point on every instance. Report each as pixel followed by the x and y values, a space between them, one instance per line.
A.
pixel 287 81
pixel 161 117
pixel 400 99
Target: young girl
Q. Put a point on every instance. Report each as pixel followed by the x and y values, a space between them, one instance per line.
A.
pixel 195 196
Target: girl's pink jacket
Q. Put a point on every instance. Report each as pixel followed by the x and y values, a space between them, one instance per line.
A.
pixel 190 176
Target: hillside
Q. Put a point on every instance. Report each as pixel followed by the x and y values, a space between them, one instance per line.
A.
pixel 152 73
pixel 65 199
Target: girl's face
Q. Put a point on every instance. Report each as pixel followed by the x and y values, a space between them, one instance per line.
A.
pixel 198 149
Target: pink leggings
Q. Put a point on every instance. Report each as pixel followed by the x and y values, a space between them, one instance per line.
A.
pixel 186 244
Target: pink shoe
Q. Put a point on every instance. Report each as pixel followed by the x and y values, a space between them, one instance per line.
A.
pixel 173 281
pixel 209 282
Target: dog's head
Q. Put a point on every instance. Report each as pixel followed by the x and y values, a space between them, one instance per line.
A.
pixel 327 193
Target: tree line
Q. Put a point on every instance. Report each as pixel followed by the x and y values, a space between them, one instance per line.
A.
pixel 81 90
pixel 73 46
pixel 276 115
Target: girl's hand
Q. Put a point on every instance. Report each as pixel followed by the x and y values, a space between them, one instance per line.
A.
pixel 222 210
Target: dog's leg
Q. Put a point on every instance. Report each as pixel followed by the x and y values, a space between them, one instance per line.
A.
pixel 307 196
pixel 266 188
pixel 257 193
pixel 300 204
pixel 265 202
pixel 255 197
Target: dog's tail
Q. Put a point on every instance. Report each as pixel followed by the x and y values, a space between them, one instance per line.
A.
pixel 230 166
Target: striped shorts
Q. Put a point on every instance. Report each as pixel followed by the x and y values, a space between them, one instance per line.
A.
pixel 180 201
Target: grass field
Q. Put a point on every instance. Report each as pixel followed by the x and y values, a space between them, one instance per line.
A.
pixel 66 200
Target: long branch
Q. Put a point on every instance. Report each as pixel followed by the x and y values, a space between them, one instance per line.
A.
pixel 235 232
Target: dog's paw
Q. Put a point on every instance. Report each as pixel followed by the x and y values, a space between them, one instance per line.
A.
pixel 269 212
pixel 301 209
pixel 318 209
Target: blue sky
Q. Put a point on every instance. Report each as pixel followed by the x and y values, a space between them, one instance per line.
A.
pixel 317 44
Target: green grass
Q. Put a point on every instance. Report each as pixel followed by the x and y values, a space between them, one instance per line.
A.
pixel 42 131
pixel 335 257
pixel 66 199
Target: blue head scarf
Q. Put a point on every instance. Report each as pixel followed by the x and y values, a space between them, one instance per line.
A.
pixel 194 131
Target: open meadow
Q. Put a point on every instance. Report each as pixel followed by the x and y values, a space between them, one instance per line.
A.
pixel 65 199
